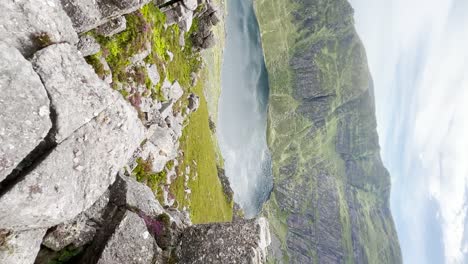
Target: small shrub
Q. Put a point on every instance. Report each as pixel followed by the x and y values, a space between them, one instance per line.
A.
pixel 42 39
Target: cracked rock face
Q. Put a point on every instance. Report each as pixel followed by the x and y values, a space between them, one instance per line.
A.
pixel 22 20
pixel 24 118
pixel 77 94
pixel 76 173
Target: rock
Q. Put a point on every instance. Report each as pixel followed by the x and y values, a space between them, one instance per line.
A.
pixel 166 109
pixel 139 57
pixel 127 192
pixel 56 190
pixel 165 88
pixel 170 55
pixel 193 78
pixel 190 4
pixel 22 21
pixel 77 94
pixel 88 45
pixel 182 39
pixel 76 232
pixel 128 242
pixel 162 138
pixel 176 124
pixel 112 27
pixel 21 247
pixel 176 91
pixel 158 161
pixel 107 70
pixel 153 73
pixel 182 14
pixel 89 14
pixel 24 119
pixel 244 241
pixel 193 102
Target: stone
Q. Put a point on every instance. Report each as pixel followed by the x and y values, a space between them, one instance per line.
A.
pixel 139 57
pixel 89 14
pixel 128 242
pixel 112 27
pixel 127 192
pixel 176 91
pixel 245 241
pixel 158 161
pixel 22 21
pixel 107 77
pixel 162 138
pixel 77 94
pixel 170 55
pixel 24 119
pixel 166 109
pixel 88 46
pixel 21 247
pixel 153 73
pixel 54 192
pixel 165 88
pixel 193 102
pixel 77 232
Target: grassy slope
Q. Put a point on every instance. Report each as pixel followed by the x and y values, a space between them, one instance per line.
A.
pixel 207 202
pixel 341 70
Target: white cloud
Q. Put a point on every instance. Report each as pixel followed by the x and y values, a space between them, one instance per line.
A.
pixel 418 55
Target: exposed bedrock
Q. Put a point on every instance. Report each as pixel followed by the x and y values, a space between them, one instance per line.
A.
pixel 25 117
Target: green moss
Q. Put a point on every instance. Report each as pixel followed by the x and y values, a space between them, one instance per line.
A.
pixel 95 62
pixel 66 255
pixel 156 181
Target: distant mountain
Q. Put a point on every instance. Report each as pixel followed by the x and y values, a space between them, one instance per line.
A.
pixel 330 203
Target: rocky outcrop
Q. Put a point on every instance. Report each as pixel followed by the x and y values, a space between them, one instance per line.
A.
pixel 221 243
pixel 77 95
pixel 100 147
pixel 88 14
pixel 31 25
pixel 88 45
pixel 209 17
pixel 25 116
pixel 112 27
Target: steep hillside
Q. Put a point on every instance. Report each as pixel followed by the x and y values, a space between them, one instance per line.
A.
pixel 330 202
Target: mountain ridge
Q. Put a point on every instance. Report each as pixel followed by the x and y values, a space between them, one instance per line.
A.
pixel 331 197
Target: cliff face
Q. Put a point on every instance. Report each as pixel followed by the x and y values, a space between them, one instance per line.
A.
pixel 330 202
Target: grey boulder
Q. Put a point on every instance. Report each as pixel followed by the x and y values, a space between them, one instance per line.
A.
pixel 24 118
pixel 130 242
pixel 127 192
pixel 22 21
pixel 88 45
pixel 76 173
pixel 76 92
pixel 112 27
pixel 21 247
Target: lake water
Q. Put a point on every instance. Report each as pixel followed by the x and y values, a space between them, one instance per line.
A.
pixel 242 110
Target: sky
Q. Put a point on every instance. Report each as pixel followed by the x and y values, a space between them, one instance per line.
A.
pixel 418 56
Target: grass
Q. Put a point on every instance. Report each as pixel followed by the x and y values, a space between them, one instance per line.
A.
pixel 207 202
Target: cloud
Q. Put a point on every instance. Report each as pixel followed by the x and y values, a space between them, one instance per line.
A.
pixel 418 54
